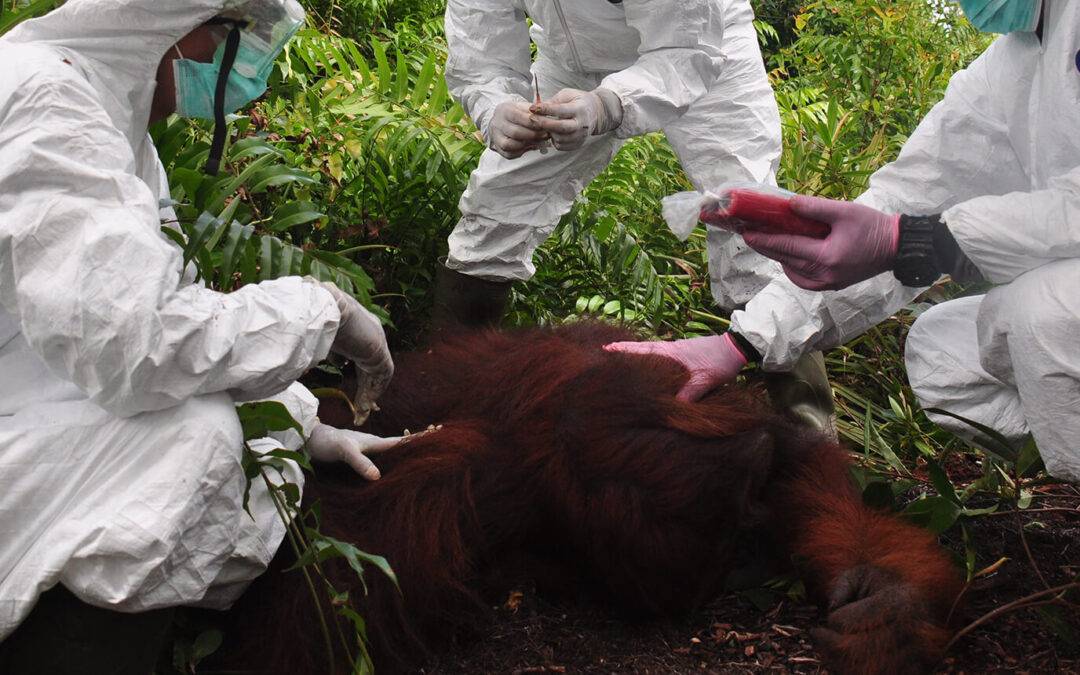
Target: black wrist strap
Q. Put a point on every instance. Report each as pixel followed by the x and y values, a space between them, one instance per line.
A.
pixel 947 252
pixel 916 264
pixel 752 355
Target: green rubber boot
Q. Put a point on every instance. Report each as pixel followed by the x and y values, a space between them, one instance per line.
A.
pixel 805 394
pixel 467 302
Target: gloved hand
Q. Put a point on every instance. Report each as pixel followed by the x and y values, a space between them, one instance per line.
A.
pixel 330 444
pixel 572 115
pixel 360 339
pixel 712 361
pixel 862 244
pixel 514 130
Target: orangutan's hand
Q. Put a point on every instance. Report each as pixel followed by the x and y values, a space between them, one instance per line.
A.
pixel 879 624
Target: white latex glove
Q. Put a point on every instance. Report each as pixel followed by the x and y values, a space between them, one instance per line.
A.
pixel 330 444
pixel 514 130
pixel 572 115
pixel 360 338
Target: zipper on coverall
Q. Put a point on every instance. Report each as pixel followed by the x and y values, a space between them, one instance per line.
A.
pixel 569 36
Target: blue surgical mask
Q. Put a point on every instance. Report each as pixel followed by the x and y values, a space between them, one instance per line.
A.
pixel 1003 16
pixel 242 65
pixel 196 82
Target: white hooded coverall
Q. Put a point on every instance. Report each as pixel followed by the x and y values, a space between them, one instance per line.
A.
pixel 691 68
pixel 1000 156
pixel 120 447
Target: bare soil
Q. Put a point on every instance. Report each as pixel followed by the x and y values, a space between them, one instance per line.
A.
pixel 530 634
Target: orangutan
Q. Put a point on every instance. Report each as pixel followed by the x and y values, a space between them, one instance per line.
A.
pixel 551 447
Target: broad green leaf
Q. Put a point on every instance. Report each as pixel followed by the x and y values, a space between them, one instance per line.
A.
pixel 356 274
pixel 233 252
pixel 1024 502
pixel 171 138
pixel 252 147
pixel 423 82
pixel 991 441
pixel 402 79
pixel 258 419
pixel 215 193
pixel 941 481
pixel 437 100
pixel 897 410
pixel 335 166
pixel 176 236
pixel 189 180
pixel 278 175
pixel 300 458
pixel 382 66
pixel 206 644
pixel 198 234
pixel 1029 462
pixel 936 514
pixel 292 214
pixel 761 598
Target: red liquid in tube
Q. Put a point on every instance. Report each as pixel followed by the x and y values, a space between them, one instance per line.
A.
pixel 768 213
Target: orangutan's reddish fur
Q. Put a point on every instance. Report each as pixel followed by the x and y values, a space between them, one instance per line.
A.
pixel 552 447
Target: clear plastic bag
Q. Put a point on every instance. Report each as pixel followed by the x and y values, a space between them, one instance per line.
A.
pixel 682 211
pixel 730 206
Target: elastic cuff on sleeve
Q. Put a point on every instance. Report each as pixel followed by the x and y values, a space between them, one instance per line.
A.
pixel 629 125
pixel 950 257
pixel 484 113
pixel 752 355
pixel 612 110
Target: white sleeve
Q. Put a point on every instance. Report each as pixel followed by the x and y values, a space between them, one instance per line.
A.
pixel 1007 235
pixel 95 285
pixel 961 163
pixel 676 65
pixel 489 55
pixel 960 151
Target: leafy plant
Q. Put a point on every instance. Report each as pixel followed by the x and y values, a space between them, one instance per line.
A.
pixel 844 85
pixel 236 228
pixel 21 10
pixel 311 547
pixel 392 149
pixel 354 18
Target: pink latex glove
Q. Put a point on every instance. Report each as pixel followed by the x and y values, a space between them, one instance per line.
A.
pixel 862 244
pixel 712 361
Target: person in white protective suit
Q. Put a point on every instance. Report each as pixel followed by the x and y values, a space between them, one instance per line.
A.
pixel 120 447
pixel 691 68
pixel 606 70
pixel 990 185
